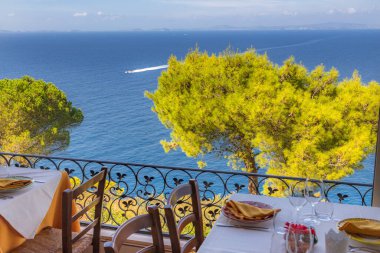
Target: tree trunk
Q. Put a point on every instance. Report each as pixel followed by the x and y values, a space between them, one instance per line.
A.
pixel 250 165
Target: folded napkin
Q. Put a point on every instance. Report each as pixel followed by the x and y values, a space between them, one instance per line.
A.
pixel 11 183
pixel 363 227
pixel 249 212
pixel 336 242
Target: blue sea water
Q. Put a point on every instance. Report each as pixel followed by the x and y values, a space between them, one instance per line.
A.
pixel 119 124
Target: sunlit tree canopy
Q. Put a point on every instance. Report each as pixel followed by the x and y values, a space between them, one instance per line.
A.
pixel 257 114
pixel 34 116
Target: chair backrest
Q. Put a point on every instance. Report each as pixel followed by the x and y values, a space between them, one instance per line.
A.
pixel 67 219
pixel 195 217
pixel 150 220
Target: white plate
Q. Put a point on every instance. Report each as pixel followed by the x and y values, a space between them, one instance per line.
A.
pixel 19 188
pixel 230 216
pixel 364 239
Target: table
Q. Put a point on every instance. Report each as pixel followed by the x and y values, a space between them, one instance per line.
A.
pixel 233 240
pixel 32 209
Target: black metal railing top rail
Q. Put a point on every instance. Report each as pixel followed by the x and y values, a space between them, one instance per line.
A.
pixel 132 187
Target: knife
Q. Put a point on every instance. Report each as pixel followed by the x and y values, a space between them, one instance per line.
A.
pixel 242 227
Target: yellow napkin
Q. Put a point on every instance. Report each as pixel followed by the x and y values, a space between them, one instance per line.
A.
pixel 10 183
pixel 245 211
pixel 363 227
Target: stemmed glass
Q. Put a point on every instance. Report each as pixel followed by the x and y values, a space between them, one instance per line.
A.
pixel 314 194
pixel 299 239
pixel 4 171
pixel 296 197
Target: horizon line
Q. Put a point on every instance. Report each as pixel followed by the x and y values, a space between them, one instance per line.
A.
pixel 192 30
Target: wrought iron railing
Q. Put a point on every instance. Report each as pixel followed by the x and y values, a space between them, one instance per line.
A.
pixel 132 187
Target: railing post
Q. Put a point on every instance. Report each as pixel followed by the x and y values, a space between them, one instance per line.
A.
pixel 376 176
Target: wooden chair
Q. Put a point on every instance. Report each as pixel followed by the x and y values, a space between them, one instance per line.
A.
pixel 195 217
pixel 150 220
pixel 54 240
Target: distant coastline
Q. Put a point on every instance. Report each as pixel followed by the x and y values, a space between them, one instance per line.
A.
pixel 309 27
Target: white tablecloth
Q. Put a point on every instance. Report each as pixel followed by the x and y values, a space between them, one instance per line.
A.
pixel 233 240
pixel 28 207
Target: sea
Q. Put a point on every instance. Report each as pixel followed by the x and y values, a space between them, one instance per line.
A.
pixel 119 125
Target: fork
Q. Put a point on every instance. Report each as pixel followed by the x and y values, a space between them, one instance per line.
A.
pixel 2 196
pixel 38 181
pixel 363 249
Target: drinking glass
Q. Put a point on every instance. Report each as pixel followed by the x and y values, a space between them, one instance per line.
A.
pixel 324 210
pixel 277 243
pixel 296 197
pixel 280 219
pixel 299 240
pixel 313 194
pixel 4 171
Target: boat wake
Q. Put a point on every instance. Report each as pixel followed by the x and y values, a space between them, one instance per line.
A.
pixel 146 69
pixel 290 45
pixel 257 50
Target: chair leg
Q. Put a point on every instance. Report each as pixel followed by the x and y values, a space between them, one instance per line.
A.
pixel 95 248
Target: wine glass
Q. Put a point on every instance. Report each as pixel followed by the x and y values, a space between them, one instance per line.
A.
pixel 313 194
pixel 296 197
pixel 279 219
pixel 299 238
pixel 4 171
pixel 324 210
pixel 277 242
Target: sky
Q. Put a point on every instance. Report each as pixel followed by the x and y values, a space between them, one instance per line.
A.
pixel 115 15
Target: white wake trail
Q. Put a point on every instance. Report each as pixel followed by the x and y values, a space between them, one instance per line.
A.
pixel 257 50
pixel 290 45
pixel 146 69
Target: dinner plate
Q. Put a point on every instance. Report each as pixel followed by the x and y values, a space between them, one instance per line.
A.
pixel 253 203
pixel 18 188
pixel 366 239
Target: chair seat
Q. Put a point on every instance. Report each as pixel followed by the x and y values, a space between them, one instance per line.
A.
pixel 50 241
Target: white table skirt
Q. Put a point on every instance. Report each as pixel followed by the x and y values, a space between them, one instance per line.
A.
pixel 233 240
pixel 28 207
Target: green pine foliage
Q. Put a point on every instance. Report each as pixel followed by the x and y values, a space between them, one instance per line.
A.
pixel 34 116
pixel 243 107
